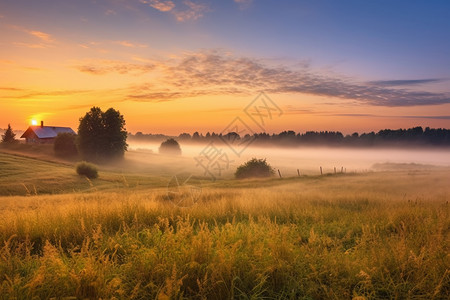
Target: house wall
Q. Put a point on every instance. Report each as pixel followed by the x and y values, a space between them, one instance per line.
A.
pixel 35 140
pixel 47 141
pixel 31 138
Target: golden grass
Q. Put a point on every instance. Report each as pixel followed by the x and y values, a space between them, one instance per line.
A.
pixel 373 236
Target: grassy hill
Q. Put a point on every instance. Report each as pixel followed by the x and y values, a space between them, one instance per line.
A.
pixel 21 174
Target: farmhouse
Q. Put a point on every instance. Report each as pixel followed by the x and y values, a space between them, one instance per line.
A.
pixel 44 134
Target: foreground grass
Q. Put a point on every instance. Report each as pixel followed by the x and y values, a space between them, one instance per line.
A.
pixel 377 236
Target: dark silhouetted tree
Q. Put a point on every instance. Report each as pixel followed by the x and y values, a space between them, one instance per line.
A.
pixel 102 135
pixel 196 137
pixel 184 136
pixel 171 147
pixel 115 133
pixel 9 137
pixel 412 136
pixel 64 145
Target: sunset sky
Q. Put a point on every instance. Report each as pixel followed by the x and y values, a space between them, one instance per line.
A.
pixel 195 65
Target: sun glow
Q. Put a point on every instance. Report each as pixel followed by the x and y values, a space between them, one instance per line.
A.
pixel 34 122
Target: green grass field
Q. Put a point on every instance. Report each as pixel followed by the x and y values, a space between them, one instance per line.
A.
pixel 377 235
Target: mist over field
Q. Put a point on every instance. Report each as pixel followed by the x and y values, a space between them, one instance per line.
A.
pixel 307 159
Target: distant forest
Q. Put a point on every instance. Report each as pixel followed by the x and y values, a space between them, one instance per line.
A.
pixel 415 136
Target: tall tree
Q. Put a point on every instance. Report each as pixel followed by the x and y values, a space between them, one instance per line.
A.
pixel 115 133
pixel 9 136
pixel 102 135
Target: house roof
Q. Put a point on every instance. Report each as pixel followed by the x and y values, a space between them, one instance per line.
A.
pixel 44 132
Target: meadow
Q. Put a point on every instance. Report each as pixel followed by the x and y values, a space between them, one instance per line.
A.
pixel 374 235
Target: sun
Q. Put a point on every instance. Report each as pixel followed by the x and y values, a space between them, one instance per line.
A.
pixel 33 122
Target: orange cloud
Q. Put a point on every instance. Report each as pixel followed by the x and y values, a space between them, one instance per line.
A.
pixel 30 45
pixel 110 66
pixel 41 35
pixel 130 44
pixel 215 73
pixel 193 12
pixel 186 11
pixel 160 5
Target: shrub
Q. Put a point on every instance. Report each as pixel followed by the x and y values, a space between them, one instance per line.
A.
pixel 65 145
pixel 171 147
pixel 87 169
pixel 254 168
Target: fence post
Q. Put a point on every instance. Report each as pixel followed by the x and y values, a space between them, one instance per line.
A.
pixel 321 171
pixel 279 173
pixel 298 172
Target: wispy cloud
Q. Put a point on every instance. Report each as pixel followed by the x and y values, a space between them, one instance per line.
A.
pixel 243 4
pixel 193 11
pixel 220 73
pixel 395 117
pixel 353 115
pixel 428 117
pixel 111 66
pixel 185 10
pixel 292 110
pixel 404 82
pixel 11 89
pixel 130 44
pixel 213 68
pixel 44 40
pixel 16 65
pixel 36 95
pixel 110 12
pixel 31 45
pixel 160 5
pixel 41 35
pixel 35 98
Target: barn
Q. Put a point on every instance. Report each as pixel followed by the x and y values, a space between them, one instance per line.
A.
pixel 44 134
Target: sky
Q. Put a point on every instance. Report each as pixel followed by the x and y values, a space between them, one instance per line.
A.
pixel 173 66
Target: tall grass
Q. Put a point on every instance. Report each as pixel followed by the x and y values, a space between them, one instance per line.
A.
pixel 304 240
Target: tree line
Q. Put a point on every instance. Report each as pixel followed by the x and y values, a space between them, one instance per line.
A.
pixel 416 136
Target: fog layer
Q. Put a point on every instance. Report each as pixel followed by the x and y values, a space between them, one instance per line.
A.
pixel 307 160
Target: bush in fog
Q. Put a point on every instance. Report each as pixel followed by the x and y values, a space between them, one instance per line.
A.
pixel 64 145
pixel 86 169
pixel 170 147
pixel 254 168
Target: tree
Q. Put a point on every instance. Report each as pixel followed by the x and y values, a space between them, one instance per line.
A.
pixel 254 168
pixel 102 135
pixel 9 136
pixel 171 147
pixel 64 145
pixel 115 133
